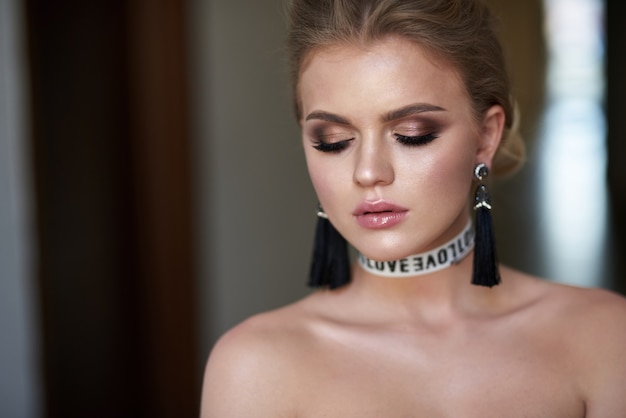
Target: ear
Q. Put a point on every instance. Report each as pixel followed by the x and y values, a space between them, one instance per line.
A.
pixel 491 130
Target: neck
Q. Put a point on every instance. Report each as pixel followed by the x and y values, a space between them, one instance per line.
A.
pixel 437 297
pixel 432 292
pixel 438 294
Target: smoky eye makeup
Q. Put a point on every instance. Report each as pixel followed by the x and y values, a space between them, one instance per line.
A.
pixel 331 134
pixel 329 138
pixel 416 133
pixel 331 146
pixel 416 140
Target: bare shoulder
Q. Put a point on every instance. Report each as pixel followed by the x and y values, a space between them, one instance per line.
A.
pixel 594 311
pixel 566 303
pixel 251 369
pixel 592 326
pixel 600 338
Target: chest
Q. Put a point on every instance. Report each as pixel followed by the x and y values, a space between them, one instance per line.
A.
pixel 422 377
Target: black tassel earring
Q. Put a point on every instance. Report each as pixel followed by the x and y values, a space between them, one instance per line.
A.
pixel 330 266
pixel 485 260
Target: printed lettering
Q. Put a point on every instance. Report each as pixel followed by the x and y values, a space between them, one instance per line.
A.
pixel 431 262
pixel 468 237
pixel 453 248
pixel 419 264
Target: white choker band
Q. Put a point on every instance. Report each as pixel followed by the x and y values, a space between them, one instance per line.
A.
pixel 441 257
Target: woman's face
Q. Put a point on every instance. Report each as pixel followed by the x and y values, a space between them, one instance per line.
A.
pixel 391 144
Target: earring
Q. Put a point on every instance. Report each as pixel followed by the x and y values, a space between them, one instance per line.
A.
pixel 330 266
pixel 485 260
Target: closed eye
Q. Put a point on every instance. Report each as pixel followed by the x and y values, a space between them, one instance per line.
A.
pixel 416 140
pixel 332 146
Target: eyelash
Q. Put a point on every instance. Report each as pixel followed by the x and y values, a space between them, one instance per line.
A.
pixel 413 141
pixel 332 146
pixel 410 141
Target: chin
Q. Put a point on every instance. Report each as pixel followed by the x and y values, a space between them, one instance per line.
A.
pixel 384 254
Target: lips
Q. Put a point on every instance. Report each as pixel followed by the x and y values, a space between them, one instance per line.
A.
pixel 379 215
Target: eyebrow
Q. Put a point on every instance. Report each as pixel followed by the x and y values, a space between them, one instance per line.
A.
pixel 411 109
pixel 328 117
pixel 403 112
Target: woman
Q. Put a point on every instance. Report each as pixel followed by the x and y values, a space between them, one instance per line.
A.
pixel 404 107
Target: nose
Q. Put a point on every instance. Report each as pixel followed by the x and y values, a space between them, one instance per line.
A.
pixel 373 166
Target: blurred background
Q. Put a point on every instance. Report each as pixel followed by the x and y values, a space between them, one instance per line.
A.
pixel 153 191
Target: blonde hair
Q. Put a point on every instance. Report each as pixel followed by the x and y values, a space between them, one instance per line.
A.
pixel 458 31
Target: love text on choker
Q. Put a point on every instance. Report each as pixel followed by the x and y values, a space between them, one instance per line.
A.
pixel 441 257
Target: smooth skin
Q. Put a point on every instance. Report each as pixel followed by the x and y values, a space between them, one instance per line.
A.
pixel 433 345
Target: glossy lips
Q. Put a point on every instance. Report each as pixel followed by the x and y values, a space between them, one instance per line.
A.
pixel 379 215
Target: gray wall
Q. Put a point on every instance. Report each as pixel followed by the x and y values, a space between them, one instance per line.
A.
pixel 19 376
pixel 256 207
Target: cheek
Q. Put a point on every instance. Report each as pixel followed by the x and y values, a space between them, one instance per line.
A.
pixel 321 177
pixel 322 189
pixel 444 178
pixel 456 169
pixel 452 177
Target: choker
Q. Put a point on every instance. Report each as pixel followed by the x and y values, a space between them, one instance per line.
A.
pixel 440 258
